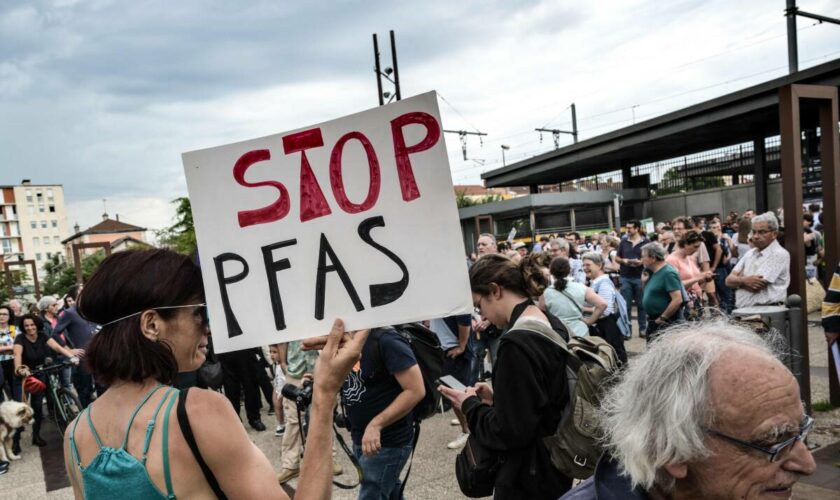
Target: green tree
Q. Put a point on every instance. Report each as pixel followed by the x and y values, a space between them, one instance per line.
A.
pixel 462 200
pixel 674 181
pixel 60 276
pixel 180 236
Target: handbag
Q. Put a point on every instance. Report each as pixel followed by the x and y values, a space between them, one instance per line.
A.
pixel 476 469
pixel 815 294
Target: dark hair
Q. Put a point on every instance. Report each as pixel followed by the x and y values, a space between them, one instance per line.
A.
pixel 560 269
pixel 710 240
pixel 814 207
pixel 744 228
pixel 39 325
pixel 634 223
pixel 498 269
pixel 73 292
pixel 126 283
pixel 531 266
pixel 689 238
pixel 687 222
pixel 808 217
pixel 11 313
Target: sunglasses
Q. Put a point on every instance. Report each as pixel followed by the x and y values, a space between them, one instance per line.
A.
pixel 779 449
pixel 201 311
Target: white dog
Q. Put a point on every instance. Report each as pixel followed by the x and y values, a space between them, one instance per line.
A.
pixel 13 416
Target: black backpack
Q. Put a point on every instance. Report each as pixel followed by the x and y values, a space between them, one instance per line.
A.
pixel 430 358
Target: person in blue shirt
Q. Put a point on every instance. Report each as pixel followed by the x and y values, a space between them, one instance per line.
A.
pixel 77 334
pixel 378 398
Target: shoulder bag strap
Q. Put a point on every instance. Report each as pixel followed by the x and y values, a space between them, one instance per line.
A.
pixel 573 301
pixel 186 430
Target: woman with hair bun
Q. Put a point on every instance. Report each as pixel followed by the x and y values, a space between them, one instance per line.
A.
pixel 567 299
pixel 529 389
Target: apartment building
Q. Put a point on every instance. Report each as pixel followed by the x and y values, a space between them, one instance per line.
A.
pixel 33 222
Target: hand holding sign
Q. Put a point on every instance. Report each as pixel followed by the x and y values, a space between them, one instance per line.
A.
pixel 354 218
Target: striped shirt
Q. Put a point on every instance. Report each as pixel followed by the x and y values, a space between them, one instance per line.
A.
pixel 831 305
pixel 605 289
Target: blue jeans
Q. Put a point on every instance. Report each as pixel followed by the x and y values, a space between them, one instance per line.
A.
pixel 631 290
pixel 481 346
pixel 381 479
pixel 725 294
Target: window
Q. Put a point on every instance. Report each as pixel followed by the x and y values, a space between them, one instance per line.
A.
pixel 37 256
pixel 44 224
pixel 7 246
pixel 29 199
pixel 52 208
pixel 37 241
pixel 54 223
pixel 28 192
pixel 56 240
pixel 39 194
pixel 41 208
pixel 34 224
pixel 31 209
pixel 49 193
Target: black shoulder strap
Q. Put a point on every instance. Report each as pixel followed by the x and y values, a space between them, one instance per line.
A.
pixel 186 430
pixel 411 458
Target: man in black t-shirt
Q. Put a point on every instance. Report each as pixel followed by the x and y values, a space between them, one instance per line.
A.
pixel 379 396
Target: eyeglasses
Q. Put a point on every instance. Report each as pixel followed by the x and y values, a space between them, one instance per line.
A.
pixel 778 449
pixel 477 306
pixel 201 311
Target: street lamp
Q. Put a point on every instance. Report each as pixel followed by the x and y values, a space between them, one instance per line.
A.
pixel 505 147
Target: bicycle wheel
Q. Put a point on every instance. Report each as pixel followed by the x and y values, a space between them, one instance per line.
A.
pixel 68 408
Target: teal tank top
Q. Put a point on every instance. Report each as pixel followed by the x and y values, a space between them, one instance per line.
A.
pixel 114 472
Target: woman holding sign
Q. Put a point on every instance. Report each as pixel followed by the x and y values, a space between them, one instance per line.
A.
pixel 143 438
pixel 529 388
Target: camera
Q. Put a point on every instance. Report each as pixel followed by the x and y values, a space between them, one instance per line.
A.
pixel 302 396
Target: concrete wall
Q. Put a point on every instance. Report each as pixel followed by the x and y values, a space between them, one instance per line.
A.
pixel 710 201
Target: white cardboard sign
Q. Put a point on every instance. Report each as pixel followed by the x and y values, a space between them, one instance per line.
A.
pixel 354 218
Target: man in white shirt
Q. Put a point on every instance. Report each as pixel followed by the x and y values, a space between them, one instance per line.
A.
pixel 762 276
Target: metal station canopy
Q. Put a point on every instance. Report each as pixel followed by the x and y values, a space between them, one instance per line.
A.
pixel 743 116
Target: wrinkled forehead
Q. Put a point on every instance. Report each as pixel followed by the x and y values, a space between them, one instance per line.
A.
pixel 751 392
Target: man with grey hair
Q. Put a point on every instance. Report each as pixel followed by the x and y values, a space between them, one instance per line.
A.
pixel 662 297
pixel 485 244
pixel 762 275
pixel 560 247
pixel 706 412
pixel 17 310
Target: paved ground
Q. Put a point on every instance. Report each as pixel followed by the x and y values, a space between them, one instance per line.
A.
pixel 433 474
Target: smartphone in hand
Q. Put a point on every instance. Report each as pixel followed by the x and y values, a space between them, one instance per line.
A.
pixel 452 383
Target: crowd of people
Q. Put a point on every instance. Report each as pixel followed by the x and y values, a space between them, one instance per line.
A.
pixel 141 331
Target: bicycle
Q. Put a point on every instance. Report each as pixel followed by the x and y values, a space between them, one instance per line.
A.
pixel 64 402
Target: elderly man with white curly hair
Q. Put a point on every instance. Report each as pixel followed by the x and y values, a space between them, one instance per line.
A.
pixel 707 412
pixel 762 276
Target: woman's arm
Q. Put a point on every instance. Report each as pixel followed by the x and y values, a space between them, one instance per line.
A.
pixel 599 306
pixel 70 353
pixel 518 395
pixel 18 350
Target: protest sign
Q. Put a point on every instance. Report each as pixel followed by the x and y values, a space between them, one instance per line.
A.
pixel 354 218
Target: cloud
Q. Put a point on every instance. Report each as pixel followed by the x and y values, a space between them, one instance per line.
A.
pixel 103 96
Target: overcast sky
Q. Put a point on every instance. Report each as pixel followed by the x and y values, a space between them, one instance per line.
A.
pixel 103 96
